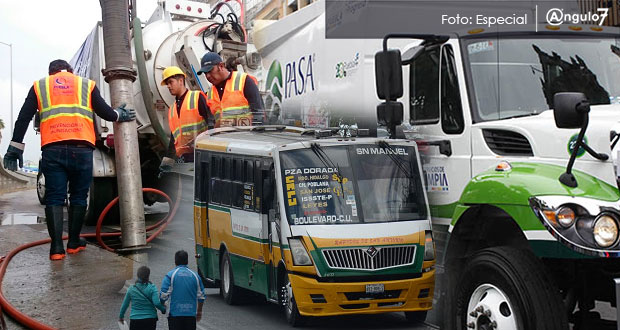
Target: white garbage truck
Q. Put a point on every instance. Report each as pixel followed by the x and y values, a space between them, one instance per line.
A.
pixel 519 131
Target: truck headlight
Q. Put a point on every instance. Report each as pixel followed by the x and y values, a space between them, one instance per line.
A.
pixel 299 253
pixel 605 230
pixel 429 246
pixel 565 216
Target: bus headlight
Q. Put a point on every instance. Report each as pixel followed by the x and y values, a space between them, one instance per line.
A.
pixel 605 230
pixel 429 246
pixel 299 253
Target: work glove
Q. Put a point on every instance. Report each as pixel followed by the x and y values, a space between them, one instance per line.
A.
pixel 125 114
pixel 13 154
pixel 165 166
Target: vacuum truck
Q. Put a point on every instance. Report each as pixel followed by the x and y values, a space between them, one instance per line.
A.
pixel 177 33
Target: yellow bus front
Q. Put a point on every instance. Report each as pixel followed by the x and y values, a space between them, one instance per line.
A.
pixel 355 228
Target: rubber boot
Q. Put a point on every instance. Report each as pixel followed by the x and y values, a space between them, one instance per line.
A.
pixel 53 218
pixel 76 219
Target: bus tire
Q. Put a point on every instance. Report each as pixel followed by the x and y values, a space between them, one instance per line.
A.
pixel 228 290
pixel 507 288
pixel 290 305
pixel 416 317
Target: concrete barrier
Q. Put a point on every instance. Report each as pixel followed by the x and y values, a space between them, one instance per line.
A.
pixel 13 181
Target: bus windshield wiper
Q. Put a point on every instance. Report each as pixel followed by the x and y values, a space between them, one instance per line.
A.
pixel 327 162
pixel 392 154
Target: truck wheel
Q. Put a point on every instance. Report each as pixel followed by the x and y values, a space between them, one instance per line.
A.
pixel 102 191
pixel 41 187
pixel 228 290
pixel 506 288
pixel 290 305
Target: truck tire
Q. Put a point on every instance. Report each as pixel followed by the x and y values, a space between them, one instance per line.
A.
pixel 41 186
pixel 102 191
pixel 507 288
pixel 228 290
pixel 290 305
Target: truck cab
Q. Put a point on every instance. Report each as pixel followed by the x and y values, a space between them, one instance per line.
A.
pixel 521 248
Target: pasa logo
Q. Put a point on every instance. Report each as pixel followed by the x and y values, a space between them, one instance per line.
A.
pixel 298 76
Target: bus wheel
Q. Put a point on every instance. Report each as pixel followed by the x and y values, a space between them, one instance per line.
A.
pixel 415 317
pixel 290 305
pixel 506 288
pixel 228 290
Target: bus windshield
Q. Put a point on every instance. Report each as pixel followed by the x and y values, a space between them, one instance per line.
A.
pixel 515 77
pixel 352 184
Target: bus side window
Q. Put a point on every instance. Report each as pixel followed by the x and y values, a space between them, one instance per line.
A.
pixel 237 184
pixel 257 185
pixel 201 184
pixel 248 185
pixel 215 174
pixel 225 189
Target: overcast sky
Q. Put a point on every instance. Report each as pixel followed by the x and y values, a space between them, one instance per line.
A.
pixel 41 31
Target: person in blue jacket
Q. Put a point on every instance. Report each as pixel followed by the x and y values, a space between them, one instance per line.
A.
pixel 186 293
pixel 144 299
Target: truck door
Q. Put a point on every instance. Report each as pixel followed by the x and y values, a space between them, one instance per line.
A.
pixel 440 116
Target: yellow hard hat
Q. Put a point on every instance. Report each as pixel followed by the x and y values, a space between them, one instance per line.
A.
pixel 169 72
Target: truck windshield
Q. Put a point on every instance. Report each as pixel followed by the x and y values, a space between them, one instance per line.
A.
pixel 352 184
pixel 515 77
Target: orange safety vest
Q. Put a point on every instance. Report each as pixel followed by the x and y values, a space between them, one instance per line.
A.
pixel 189 125
pixel 234 108
pixel 65 107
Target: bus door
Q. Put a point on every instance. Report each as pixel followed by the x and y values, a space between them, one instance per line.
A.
pixel 269 209
pixel 201 214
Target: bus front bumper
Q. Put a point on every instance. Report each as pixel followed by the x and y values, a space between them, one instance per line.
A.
pixel 316 298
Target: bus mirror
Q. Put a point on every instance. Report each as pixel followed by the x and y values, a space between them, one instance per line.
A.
pixel 272 215
pixel 388 74
pixel 267 191
pixel 570 109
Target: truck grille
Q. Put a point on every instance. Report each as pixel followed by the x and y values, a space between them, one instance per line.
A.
pixel 370 258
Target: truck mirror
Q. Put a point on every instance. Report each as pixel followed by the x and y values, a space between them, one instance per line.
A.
pixel 390 113
pixel 389 74
pixel 570 109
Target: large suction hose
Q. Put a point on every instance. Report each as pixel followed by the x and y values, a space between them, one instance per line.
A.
pixel 31 323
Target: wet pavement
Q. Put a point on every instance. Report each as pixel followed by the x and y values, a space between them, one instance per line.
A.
pixel 85 291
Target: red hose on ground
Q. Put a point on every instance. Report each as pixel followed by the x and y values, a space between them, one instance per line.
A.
pixel 31 323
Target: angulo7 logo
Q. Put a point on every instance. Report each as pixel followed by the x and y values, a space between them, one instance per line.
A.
pixel 556 16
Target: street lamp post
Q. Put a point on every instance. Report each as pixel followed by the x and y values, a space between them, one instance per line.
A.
pixel 11 88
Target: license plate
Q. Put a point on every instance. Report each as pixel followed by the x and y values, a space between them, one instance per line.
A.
pixel 375 288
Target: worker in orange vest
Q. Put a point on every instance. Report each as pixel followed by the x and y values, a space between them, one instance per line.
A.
pixel 234 98
pixel 67 105
pixel 188 116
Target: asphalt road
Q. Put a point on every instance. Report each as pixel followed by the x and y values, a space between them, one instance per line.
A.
pixel 101 274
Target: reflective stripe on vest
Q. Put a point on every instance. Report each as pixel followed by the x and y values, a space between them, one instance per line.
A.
pixel 189 125
pixel 64 103
pixel 233 108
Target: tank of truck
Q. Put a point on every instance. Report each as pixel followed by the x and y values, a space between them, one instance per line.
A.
pixel 312 81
